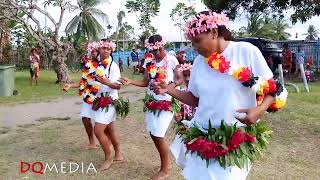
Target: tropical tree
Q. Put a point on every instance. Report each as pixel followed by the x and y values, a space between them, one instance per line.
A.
pixel 180 14
pixel 120 16
pixel 312 33
pixel 302 9
pixel 87 21
pixel 23 11
pixel 125 32
pixel 279 27
pixel 265 27
pixel 144 11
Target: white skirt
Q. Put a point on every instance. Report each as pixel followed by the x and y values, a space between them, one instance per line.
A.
pixel 105 117
pixel 86 110
pixel 158 126
pixel 196 168
pixel 178 149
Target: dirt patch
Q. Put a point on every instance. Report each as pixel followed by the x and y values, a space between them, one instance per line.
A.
pixel 42 119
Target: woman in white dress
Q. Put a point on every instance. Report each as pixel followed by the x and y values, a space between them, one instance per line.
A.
pixel 162 69
pixel 86 111
pixel 219 96
pixel 104 118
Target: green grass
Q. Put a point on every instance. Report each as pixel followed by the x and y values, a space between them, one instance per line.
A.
pixel 47 90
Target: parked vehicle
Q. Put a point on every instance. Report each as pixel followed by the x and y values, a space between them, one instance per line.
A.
pixel 270 50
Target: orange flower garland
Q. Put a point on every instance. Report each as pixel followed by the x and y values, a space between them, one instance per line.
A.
pixel 243 74
pixel 88 86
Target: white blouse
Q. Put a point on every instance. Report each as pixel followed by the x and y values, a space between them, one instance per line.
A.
pixel 221 95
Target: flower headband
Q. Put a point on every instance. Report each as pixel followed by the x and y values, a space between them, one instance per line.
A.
pixel 107 44
pixel 196 26
pixel 185 67
pixel 92 46
pixel 156 45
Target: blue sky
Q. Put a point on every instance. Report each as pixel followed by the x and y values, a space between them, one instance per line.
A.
pixel 163 22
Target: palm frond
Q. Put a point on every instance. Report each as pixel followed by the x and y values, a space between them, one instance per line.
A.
pixel 93 3
pixel 92 27
pixel 97 13
pixel 73 25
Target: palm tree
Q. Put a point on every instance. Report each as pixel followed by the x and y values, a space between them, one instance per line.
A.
pixel 312 33
pixel 120 16
pixel 86 22
pixel 279 27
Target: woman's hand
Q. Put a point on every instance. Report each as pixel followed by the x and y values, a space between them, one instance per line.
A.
pixel 125 81
pixel 252 115
pixel 66 87
pixel 104 81
pixel 160 87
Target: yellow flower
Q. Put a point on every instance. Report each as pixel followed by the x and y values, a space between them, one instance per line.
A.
pixel 100 72
pixel 216 63
pixel 153 70
pixel 237 72
pixel 91 99
pixel 280 103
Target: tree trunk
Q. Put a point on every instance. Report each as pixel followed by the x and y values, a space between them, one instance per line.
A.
pixel 59 65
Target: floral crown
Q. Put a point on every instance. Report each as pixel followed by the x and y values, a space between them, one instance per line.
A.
pixel 92 46
pixel 156 45
pixel 107 44
pixel 203 22
pixel 185 67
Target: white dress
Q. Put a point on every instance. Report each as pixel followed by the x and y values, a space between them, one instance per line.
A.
pixel 100 116
pixel 86 110
pixel 158 126
pixel 220 96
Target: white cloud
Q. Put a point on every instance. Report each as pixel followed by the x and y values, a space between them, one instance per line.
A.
pixel 163 22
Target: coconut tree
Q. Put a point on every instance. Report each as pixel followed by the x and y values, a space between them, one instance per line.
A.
pixel 312 33
pixel 279 27
pixel 87 21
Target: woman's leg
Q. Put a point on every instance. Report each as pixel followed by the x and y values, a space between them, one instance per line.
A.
pixel 113 136
pixel 99 130
pixel 163 150
pixel 90 131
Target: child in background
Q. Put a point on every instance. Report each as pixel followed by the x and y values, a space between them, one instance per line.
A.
pixel 178 148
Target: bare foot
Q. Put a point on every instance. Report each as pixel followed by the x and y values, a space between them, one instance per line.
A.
pixel 118 158
pixel 160 175
pixel 105 165
pixel 91 146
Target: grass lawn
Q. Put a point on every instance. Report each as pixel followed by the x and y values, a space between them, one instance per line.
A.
pixel 293 152
pixel 47 89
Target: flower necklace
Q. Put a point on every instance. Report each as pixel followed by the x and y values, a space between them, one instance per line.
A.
pixel 259 85
pixel 155 73
pixel 89 87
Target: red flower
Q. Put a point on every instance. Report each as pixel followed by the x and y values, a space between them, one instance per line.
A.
pixel 95 64
pixel 237 138
pixel 272 86
pixel 224 65
pixel 250 138
pixel 195 145
pixel 245 75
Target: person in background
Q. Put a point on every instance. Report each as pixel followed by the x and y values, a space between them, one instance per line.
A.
pixel 120 64
pixel 287 55
pixel 299 59
pixel 128 62
pixel 181 57
pixel 135 61
pixel 34 60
